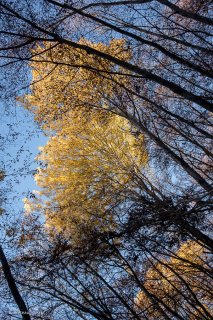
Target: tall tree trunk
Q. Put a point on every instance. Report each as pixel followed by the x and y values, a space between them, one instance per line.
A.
pixel 13 287
pixel 198 235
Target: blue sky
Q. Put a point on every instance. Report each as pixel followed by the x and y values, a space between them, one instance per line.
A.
pixel 20 138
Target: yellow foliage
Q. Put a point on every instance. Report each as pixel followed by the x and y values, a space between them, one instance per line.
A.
pixel 92 160
pixel 183 283
pixel 90 169
pixel 66 79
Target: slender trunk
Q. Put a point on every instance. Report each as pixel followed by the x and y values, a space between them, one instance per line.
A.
pixel 195 175
pixel 172 55
pixel 186 13
pixel 13 287
pixel 198 235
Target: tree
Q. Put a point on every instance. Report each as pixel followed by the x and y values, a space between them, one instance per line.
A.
pixel 157 75
pixel 68 81
pixel 10 280
pixel 13 287
pixel 89 169
pixel 169 82
pixel 61 93
pixel 157 284
pixel 89 132
pixel 181 282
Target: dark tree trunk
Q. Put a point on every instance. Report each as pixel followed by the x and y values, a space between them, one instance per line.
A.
pixel 13 287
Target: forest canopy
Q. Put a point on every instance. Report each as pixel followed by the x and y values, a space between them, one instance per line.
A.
pixel 120 224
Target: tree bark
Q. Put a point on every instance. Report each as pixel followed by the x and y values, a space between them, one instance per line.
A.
pixel 13 287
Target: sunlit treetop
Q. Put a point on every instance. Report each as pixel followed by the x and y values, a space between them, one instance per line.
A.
pixel 89 169
pixel 185 273
pixel 65 79
pixel 93 159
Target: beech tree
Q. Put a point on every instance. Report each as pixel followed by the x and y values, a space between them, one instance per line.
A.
pixel 155 284
pixel 166 71
pixel 183 283
pixel 149 63
pixel 61 94
pixel 7 276
pixel 91 167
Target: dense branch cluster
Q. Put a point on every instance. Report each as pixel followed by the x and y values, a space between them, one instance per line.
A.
pixel 123 90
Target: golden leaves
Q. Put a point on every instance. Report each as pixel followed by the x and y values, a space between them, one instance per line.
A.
pixel 90 169
pixel 66 79
pixel 92 160
pixel 185 274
